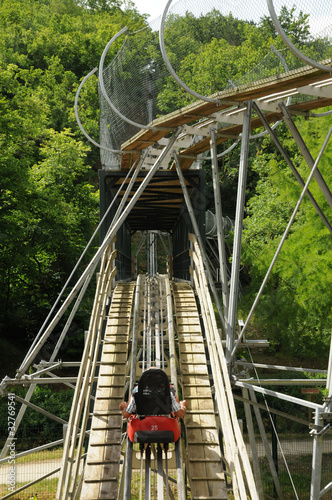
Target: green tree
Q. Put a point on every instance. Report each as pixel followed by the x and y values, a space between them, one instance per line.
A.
pixel 48 187
pixel 291 312
pixel 296 27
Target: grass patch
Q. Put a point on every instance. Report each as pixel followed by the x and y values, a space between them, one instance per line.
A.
pixel 300 470
pixel 45 490
pixel 39 456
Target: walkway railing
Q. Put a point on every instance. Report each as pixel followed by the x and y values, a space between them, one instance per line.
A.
pixel 235 450
pixel 68 485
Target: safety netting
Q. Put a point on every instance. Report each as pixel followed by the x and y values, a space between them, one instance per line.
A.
pixel 210 45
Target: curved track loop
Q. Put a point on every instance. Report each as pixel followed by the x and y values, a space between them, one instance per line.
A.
pixel 79 123
pixel 291 46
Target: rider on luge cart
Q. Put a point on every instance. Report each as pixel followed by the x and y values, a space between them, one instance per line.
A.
pixel 153 410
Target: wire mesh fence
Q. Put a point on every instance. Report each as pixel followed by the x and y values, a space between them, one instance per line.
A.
pixel 292 453
pixel 211 46
pixel 292 456
pixel 33 450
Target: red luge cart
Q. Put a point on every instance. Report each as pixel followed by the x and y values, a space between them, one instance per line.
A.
pixel 153 421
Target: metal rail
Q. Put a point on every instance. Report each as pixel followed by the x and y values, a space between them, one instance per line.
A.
pixel 153 344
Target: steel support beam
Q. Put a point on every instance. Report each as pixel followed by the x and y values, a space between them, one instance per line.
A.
pixel 318 437
pixel 199 238
pixel 306 154
pixel 289 162
pixel 127 470
pixel 317 455
pixel 283 239
pixel 279 395
pixel 220 229
pixel 234 287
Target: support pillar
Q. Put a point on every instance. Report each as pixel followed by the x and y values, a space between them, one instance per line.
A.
pixel 234 288
pixel 220 229
pixel 317 453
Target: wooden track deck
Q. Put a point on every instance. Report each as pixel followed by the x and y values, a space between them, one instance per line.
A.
pixel 205 469
pixel 103 459
pixel 299 79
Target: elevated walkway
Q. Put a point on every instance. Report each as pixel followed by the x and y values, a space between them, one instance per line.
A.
pixel 226 116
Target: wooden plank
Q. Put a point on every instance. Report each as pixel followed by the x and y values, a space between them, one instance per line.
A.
pixel 101 473
pixel 205 469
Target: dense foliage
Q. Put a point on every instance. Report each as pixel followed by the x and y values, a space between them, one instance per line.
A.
pixel 295 310
pixel 37 428
pixel 216 51
pixel 49 192
pixel 49 202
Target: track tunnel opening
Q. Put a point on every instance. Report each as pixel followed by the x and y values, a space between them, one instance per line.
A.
pixel 161 211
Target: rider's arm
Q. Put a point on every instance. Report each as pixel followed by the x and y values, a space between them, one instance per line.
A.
pixel 123 407
pixel 179 409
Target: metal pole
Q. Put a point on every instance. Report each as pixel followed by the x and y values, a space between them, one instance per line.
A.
pixel 144 357
pixel 156 307
pixel 70 319
pixel 166 473
pixel 283 381
pixel 318 439
pixel 292 167
pixel 247 364
pixel 234 286
pixel 317 454
pixel 220 229
pixel 148 330
pixel 199 238
pixel 152 250
pixel 306 154
pixel 253 446
pixel 170 326
pixel 274 443
pixel 279 395
pixel 160 473
pixel 268 454
pixel 148 472
pixel 179 470
pixel 172 361
pixel 283 239
pixel 329 375
pixel 128 460
pixel 135 333
pixel 161 323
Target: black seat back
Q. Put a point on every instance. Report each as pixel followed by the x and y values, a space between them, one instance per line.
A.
pixel 153 393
